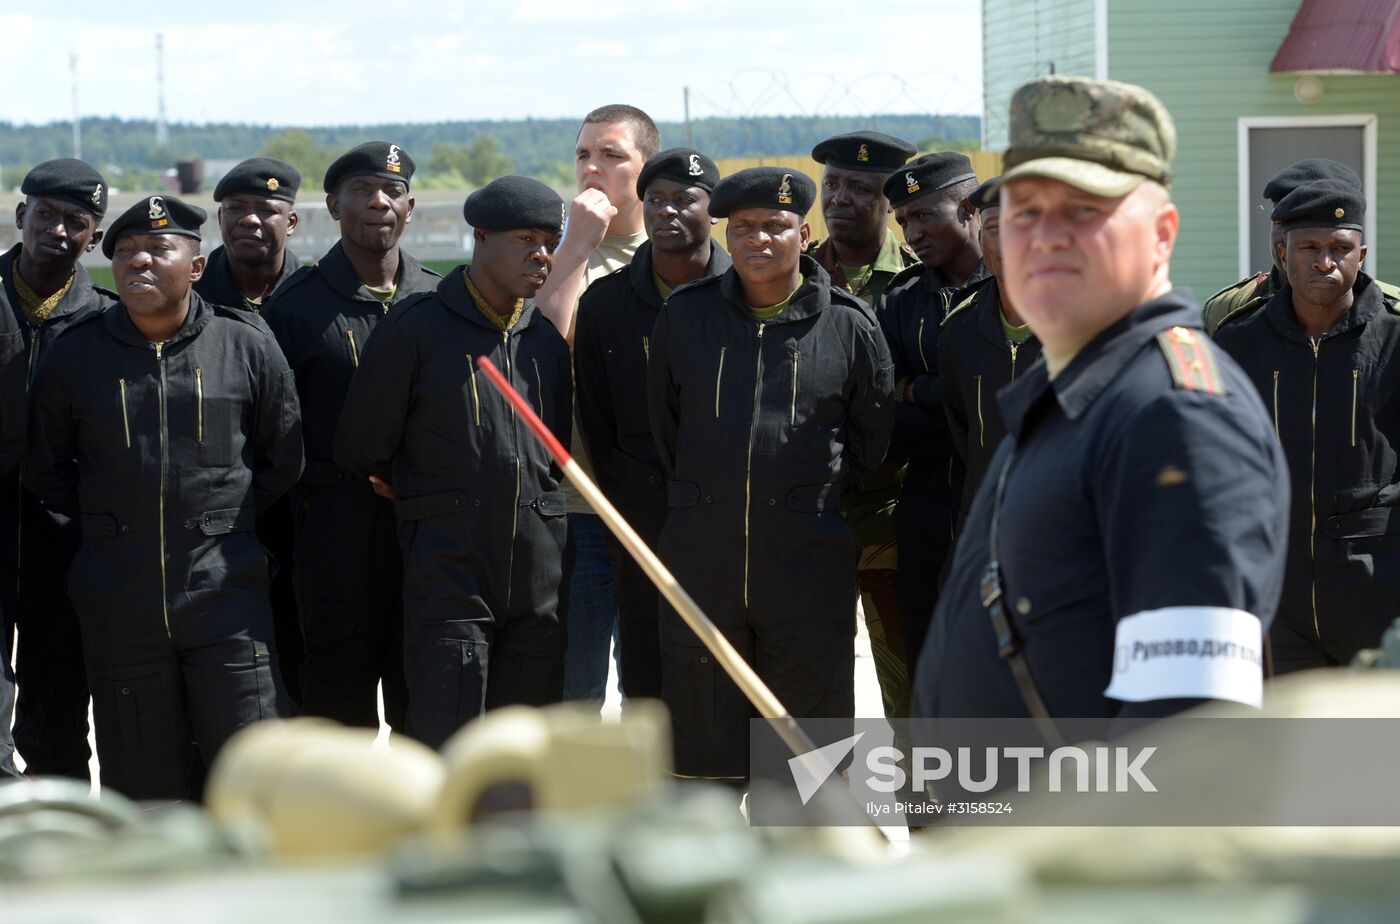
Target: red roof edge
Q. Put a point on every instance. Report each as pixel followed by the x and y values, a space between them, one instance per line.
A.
pixel 1352 36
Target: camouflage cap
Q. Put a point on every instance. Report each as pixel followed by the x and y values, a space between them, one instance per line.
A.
pixel 1101 136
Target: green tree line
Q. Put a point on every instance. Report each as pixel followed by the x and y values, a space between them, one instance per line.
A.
pixel 446 152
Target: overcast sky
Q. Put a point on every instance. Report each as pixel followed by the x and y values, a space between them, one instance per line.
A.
pixel 326 62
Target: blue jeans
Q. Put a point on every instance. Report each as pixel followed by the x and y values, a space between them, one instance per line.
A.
pixel 591 616
pixel 7 703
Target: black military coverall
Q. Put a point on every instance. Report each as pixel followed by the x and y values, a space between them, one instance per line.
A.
pixel 165 452
pixel 481 514
pixel 612 342
pixel 1335 405
pixel 1127 492
pixel 758 424
pixel 347 566
pixel 12 426
pixel 37 546
pixel 911 314
pixel 218 286
pixel 975 360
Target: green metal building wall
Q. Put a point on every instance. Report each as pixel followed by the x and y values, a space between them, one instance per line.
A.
pixel 1208 61
pixel 1022 39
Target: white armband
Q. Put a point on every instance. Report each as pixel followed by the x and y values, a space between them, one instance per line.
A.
pixel 1209 652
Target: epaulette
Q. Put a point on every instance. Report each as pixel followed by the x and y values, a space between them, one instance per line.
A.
pixel 83 321
pixel 909 256
pixel 602 283
pixel 1251 280
pixel 401 307
pixel 1190 360
pixel 841 297
pixel 296 279
pixel 904 275
pixel 686 288
pixel 1235 314
pixel 251 318
pixel 692 284
pixel 1228 298
pixel 1390 295
pixel 963 298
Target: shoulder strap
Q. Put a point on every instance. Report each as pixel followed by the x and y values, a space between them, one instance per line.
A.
pixel 1239 312
pixel 961 305
pixel 1391 295
pixel 1190 360
pixel 1008 644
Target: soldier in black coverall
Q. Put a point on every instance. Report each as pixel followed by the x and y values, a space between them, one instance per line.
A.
pixel 612 342
pixel 164 424
pixel 768 390
pixel 481 515
pixel 348 570
pixel 983 346
pixel 1324 353
pixel 929 196
pixel 257 213
pixel 46 291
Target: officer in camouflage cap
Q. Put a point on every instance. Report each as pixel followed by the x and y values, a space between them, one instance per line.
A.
pixel 1139 495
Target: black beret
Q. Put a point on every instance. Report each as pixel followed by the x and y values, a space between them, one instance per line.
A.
pixel 985 196
pixel 260 176
pixel 927 174
pixel 515 202
pixel 684 165
pixel 155 215
pixel 1321 204
pixel 1308 171
pixel 763 188
pixel 69 180
pixel 373 158
pixel 873 151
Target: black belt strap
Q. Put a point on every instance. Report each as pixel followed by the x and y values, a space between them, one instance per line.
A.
pixel 1008 645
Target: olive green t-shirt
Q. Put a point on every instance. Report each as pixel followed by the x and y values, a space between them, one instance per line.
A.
pixel 661 288
pixel 1012 332
pixel 384 295
pixel 772 311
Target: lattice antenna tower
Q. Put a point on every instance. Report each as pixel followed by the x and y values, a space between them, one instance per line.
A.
pixel 162 131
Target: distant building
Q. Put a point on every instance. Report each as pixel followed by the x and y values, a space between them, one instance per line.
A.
pixel 1253 86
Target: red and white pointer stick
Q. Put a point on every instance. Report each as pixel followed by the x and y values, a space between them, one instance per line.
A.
pixel 733 663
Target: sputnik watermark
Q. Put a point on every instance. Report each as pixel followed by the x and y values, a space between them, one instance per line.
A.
pixel 1188 770
pixel 1090 768
pixel 1066 769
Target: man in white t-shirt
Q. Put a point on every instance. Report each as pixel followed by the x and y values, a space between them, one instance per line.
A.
pixel 603 231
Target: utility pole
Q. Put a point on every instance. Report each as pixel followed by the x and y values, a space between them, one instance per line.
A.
pixel 689 139
pixel 77 124
pixel 162 132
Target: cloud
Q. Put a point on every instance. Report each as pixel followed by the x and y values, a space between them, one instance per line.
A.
pixel 415 60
